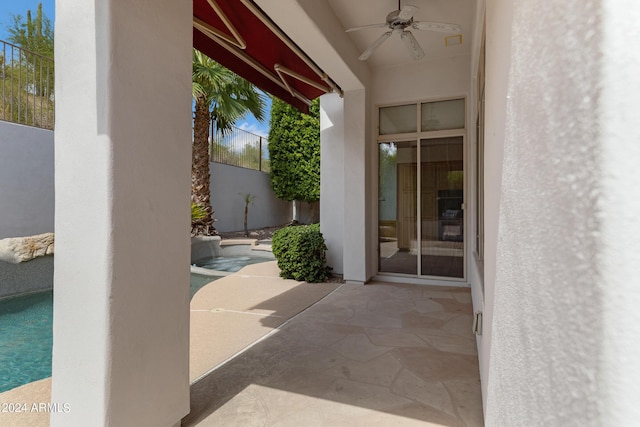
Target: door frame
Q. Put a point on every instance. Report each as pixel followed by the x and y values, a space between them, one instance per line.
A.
pixel 417 137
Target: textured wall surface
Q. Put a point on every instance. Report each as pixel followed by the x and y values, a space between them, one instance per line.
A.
pixel 448 77
pixel 26 180
pixel 564 331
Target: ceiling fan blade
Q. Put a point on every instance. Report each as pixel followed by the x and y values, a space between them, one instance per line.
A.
pixel 412 45
pixel 367 53
pixel 436 26
pixel 406 12
pixel 363 27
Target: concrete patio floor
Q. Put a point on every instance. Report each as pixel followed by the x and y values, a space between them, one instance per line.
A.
pixel 379 354
pixel 366 355
pixel 235 311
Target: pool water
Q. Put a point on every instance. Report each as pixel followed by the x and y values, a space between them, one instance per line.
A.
pixel 26 335
pixel 198 281
pixel 26 339
pixel 230 263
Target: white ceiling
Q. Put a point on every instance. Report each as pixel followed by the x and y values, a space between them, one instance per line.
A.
pixel 353 13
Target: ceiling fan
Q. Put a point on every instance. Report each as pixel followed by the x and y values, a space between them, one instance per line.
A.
pixel 398 21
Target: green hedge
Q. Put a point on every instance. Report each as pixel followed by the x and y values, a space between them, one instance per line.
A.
pixel 301 253
pixel 294 152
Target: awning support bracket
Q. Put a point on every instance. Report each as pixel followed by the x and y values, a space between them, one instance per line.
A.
pixel 207 29
pixel 256 65
pixel 282 71
pixel 294 48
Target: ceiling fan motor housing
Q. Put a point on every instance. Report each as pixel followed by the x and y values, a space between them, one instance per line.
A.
pixel 394 21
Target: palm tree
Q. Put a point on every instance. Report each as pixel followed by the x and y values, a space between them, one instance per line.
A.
pixel 224 97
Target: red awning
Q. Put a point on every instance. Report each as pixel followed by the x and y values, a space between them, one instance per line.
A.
pixel 238 35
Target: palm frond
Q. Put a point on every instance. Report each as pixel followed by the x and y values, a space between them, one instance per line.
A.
pixel 229 96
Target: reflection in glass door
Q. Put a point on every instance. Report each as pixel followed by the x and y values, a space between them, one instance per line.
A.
pixel 434 194
pixel 397 208
pixel 441 207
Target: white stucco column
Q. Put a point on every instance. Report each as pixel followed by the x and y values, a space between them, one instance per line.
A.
pixel 356 237
pixel 121 292
pixel 344 183
pixel 332 173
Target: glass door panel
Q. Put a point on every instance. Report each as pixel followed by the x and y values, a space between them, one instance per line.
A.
pixel 398 119
pixel 397 208
pixel 441 207
pixel 442 115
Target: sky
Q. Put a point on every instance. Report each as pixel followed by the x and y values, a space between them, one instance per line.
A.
pixel 250 124
pixel 9 8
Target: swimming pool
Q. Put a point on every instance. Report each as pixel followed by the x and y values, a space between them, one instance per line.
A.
pixel 26 338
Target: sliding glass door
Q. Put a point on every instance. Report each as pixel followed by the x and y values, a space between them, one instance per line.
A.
pixel 421 189
pixel 441 207
pixel 434 194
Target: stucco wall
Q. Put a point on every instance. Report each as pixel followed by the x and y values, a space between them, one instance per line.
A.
pixel 26 180
pixel 423 81
pixel 499 16
pixel 562 286
pixel 228 205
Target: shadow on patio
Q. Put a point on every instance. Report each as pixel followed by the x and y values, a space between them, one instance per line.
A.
pixel 379 354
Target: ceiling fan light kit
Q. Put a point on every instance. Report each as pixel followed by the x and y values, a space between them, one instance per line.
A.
pixel 400 22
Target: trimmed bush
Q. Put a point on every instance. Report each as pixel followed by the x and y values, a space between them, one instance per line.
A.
pixel 301 253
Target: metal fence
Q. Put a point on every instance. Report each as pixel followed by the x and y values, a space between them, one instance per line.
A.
pixel 240 148
pixel 26 95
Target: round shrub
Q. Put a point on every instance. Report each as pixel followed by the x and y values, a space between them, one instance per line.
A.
pixel 301 253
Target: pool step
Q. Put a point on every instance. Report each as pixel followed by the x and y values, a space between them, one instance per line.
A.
pixel 256 245
pixel 231 242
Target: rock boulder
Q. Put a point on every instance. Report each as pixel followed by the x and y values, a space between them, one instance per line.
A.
pixel 20 249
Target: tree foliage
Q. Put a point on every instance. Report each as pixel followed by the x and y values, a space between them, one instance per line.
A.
pixel 27 73
pixel 225 97
pixel 35 35
pixel 294 152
